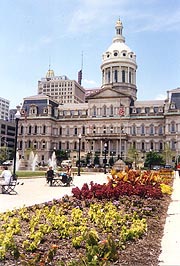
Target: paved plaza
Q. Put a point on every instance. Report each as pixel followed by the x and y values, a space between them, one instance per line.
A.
pixel 36 190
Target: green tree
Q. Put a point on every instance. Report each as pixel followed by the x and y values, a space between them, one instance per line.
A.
pixel 61 155
pixel 153 158
pixel 3 154
pixel 96 159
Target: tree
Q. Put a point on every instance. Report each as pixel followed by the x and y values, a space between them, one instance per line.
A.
pixel 3 154
pixel 153 158
pixel 96 159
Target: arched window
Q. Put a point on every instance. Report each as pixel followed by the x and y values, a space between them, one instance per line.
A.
pixel 123 75
pixel 151 145
pixel 35 129
pixel 75 131
pixel 104 110
pixel 160 146
pixel 134 130
pixel 43 144
pixel 60 131
pixel 30 129
pixel 143 146
pixel 111 110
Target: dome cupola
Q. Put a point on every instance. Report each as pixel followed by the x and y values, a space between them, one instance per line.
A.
pixel 119 64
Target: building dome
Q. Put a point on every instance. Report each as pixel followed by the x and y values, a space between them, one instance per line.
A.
pixel 118 48
pixel 119 65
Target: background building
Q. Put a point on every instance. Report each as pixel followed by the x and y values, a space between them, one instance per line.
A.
pixel 4 109
pixel 110 116
pixel 61 88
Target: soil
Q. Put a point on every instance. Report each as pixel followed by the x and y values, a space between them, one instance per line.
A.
pixel 141 252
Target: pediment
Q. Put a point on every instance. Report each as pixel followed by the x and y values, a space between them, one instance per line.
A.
pixel 106 93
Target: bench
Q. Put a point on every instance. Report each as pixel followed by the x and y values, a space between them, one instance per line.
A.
pixel 10 188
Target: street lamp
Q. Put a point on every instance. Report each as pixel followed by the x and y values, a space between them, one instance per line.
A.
pixel 79 155
pixel 105 160
pixel 17 117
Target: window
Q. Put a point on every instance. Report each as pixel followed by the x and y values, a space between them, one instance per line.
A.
pixel 142 146
pixel 123 75
pixel 35 129
pixel 67 131
pixel 94 110
pixel 75 131
pixel 115 76
pixel 160 130
pixel 142 129
pixel 172 127
pixel 104 110
pixel 111 110
pixel 151 145
pixel 43 144
pixel 130 77
pixel 109 76
pixel 30 129
pixel 133 130
pixel 160 146
pixel 151 129
pixel 44 129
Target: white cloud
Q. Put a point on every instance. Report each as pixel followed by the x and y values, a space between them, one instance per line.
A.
pixel 91 83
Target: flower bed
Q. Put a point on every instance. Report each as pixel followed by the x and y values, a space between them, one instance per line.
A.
pixel 119 223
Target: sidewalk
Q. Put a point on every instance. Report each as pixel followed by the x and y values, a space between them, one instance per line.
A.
pixel 36 191
pixel 170 245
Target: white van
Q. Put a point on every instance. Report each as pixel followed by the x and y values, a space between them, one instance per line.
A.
pixel 65 163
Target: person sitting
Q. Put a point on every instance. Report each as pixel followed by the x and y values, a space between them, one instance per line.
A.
pixel 6 174
pixel 50 175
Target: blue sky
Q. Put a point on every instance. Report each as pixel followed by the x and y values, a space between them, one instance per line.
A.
pixel 36 32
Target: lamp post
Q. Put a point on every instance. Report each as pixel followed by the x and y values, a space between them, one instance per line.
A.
pixel 105 160
pixel 17 117
pixel 79 155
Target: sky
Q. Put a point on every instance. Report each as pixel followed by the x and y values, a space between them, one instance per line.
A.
pixel 38 33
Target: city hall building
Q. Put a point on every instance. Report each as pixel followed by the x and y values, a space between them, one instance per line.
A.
pixel 62 114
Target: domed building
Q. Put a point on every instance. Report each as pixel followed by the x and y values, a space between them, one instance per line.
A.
pixel 109 123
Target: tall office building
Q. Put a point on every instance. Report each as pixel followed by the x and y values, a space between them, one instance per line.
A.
pixel 61 88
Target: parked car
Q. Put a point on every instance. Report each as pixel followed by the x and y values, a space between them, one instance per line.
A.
pixel 8 162
pixel 65 163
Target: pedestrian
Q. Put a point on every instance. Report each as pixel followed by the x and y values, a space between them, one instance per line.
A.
pixel 7 176
pixel 50 175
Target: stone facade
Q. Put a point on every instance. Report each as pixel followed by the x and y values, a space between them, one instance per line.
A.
pixel 111 115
